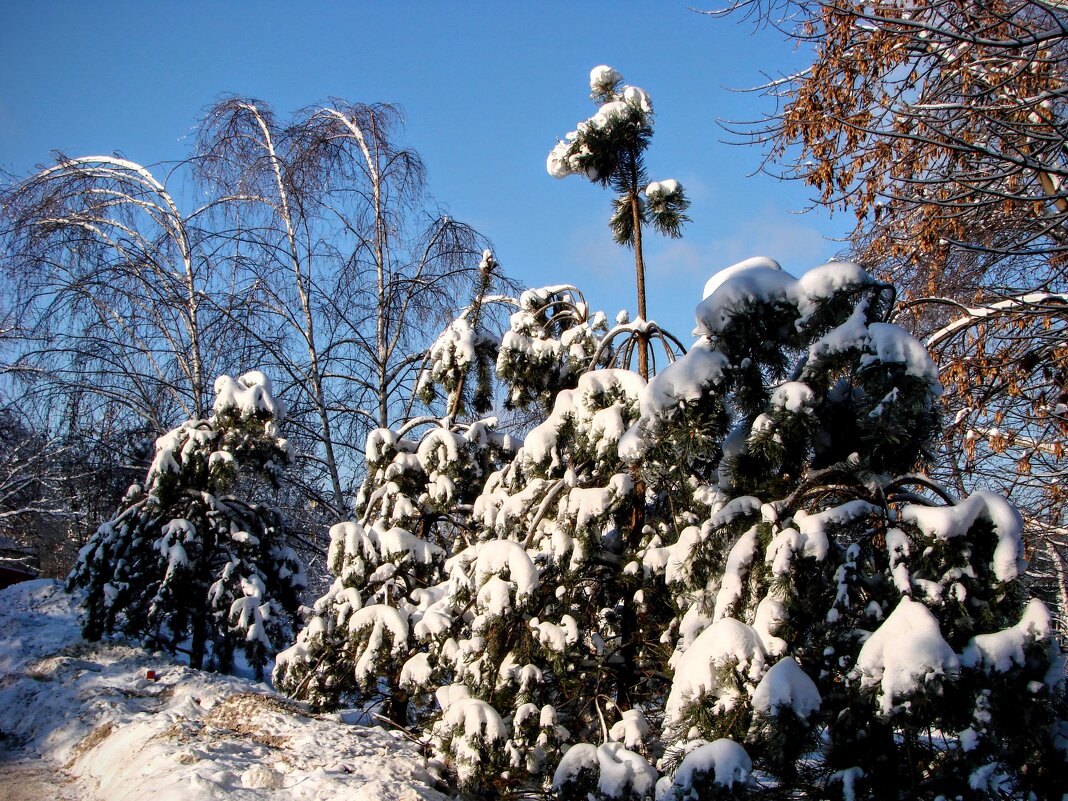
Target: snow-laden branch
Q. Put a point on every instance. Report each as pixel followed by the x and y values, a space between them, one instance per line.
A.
pixel 1030 303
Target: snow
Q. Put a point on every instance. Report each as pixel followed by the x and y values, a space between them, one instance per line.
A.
pixel 793 396
pixel 897 548
pixel 631 729
pixel 589 504
pixel 679 556
pixel 397 541
pixel 638 99
pixel 892 344
pixel 948 522
pixel 616 103
pixel 250 394
pixel 556 637
pixel 621 773
pixel 1000 651
pixel 662 189
pixel 90 708
pixel 603 79
pixel 848 778
pixel 727 642
pixel 686 379
pixel 781 550
pixel 787 686
pixel 378 620
pixel 724 759
pixel 379 442
pixel 734 573
pixel 822 282
pixel 770 612
pixel 757 280
pixel 726 273
pixel 500 555
pixel 971 315
pixel 476 718
pixel 581 406
pixel 904 654
pixel 813 527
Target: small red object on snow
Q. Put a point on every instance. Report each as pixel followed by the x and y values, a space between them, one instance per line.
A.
pixel 151 675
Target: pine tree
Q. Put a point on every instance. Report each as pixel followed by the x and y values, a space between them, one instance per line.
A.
pixel 729 581
pixel 846 620
pixel 186 566
pixel 609 149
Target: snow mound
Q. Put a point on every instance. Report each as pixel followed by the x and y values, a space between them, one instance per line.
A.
pixel 723 275
pixel 620 773
pixel 787 686
pixel 724 761
pixel 728 645
pixel 955 521
pixel 905 653
pixel 757 280
pixel 180 734
pixel 1000 651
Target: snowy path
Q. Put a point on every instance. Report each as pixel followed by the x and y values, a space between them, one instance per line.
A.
pixel 24 778
pixel 84 721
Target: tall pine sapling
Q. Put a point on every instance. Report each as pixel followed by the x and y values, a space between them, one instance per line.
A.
pixel 609 149
pixel 185 565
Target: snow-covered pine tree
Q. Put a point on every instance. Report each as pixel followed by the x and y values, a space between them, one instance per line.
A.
pixel 862 633
pixel 730 573
pixel 366 641
pixel 186 566
pixel 609 149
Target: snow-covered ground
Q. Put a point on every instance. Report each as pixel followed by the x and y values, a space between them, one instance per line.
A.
pixel 83 720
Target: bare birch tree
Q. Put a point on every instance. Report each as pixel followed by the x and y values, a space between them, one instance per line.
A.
pixel 312 251
pixel 344 251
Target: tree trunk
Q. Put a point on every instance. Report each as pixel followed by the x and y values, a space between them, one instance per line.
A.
pixel 639 270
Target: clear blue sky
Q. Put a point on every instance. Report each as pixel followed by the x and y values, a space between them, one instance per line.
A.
pixel 487 88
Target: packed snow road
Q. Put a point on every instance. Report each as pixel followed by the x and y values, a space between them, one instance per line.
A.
pixel 109 721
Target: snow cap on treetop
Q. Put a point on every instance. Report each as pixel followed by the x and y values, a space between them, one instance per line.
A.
pixel 249 394
pixel 603 80
pixel 719 278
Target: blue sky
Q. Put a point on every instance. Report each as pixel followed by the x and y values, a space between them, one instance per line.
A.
pixel 487 88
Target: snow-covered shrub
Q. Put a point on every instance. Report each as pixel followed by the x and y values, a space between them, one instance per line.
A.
pixel 392 561
pixel 732 576
pixel 183 560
